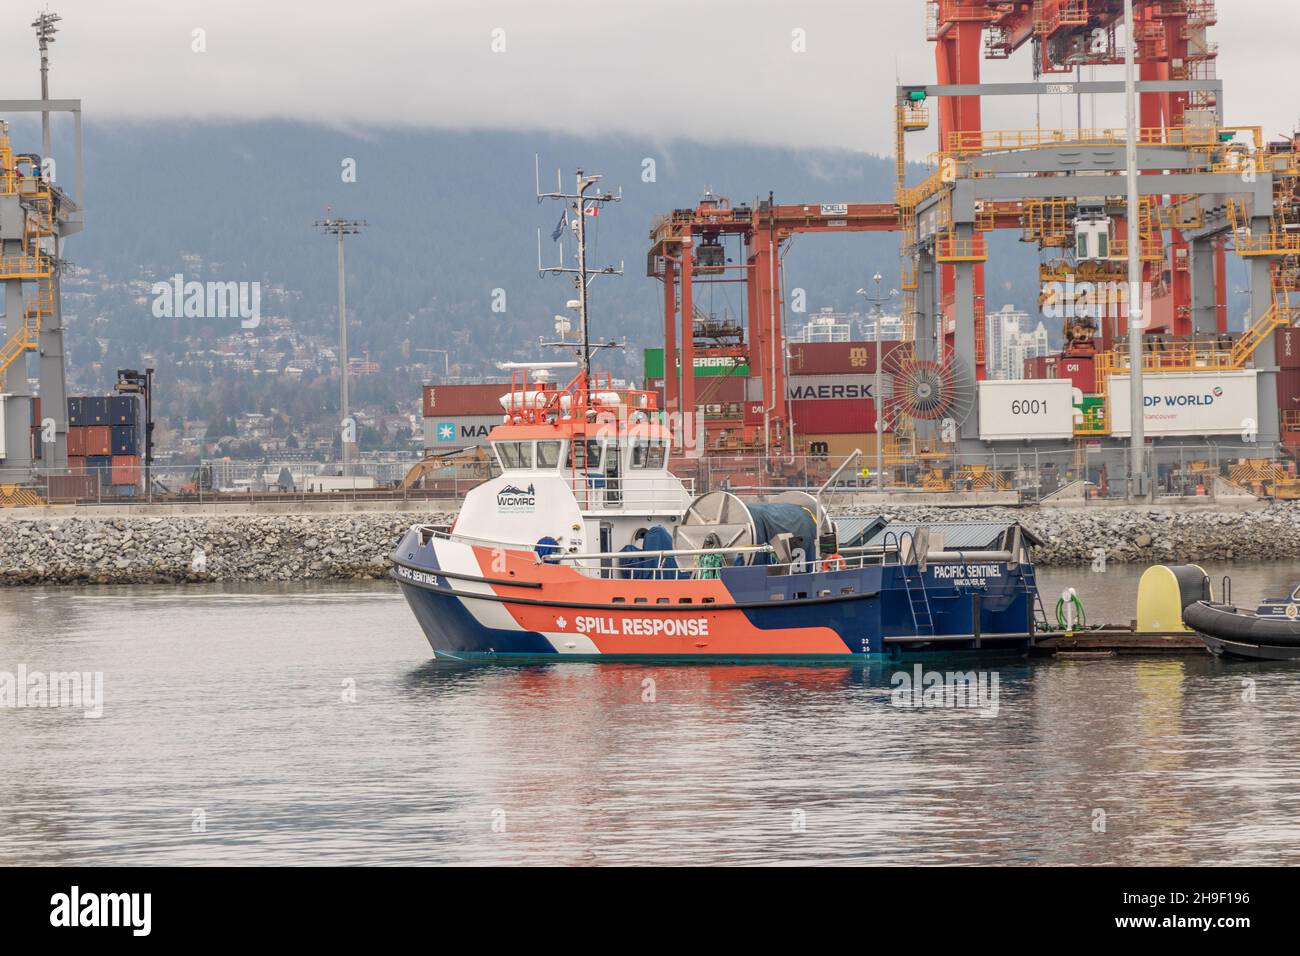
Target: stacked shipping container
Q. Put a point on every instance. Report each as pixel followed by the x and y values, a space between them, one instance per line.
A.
pixel 460 416
pixel 106 435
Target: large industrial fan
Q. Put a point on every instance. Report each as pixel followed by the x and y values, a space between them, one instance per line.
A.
pixel 938 394
pixel 719 519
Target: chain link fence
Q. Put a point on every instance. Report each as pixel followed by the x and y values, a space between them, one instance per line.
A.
pixel 1092 473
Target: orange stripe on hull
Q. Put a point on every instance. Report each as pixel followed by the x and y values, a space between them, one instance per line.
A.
pixel 641 629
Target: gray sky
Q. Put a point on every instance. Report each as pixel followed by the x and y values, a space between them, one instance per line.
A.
pixel 703 69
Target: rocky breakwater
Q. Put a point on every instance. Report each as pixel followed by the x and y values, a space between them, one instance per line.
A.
pixel 193 548
pixel 1149 535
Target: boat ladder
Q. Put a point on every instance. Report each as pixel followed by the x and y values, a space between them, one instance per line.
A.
pixel 918 598
pixel 1030 578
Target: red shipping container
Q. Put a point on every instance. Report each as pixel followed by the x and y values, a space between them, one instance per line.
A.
pixel 77 464
pixel 1287 345
pixel 1036 367
pixel 723 390
pixel 76 441
pixel 1288 397
pixel 455 401
pixel 833 417
pixel 1081 371
pixel 126 469
pixel 71 487
pixel 99 440
pixel 754 413
pixel 838 358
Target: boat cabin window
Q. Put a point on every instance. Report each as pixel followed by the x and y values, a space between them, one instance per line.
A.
pixel 515 454
pixel 585 454
pixel 647 454
pixel 548 454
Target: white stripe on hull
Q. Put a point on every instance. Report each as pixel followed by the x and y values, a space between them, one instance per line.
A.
pixel 459 558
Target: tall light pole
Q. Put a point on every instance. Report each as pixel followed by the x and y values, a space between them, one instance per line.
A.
pixel 1136 320
pixel 44 25
pixel 877 302
pixel 341 228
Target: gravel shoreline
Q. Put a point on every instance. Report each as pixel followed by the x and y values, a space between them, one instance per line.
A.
pixel 136 550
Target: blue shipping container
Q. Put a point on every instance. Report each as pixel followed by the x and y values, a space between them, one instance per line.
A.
pixel 126 440
pixel 75 411
pixel 95 409
pixel 123 410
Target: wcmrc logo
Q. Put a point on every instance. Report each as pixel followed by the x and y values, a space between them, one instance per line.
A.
pixel 515 500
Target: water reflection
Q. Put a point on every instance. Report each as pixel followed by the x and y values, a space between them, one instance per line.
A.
pixel 236 701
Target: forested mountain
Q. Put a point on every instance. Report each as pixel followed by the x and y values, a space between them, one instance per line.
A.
pixel 451 218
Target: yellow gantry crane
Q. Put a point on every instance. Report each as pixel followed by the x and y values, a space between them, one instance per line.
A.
pixel 34 260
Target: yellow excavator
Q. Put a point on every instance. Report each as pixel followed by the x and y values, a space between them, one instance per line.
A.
pixel 463 465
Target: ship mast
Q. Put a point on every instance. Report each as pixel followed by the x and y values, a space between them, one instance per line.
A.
pixel 580 204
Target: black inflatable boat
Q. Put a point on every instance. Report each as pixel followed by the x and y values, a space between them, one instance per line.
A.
pixel 1272 633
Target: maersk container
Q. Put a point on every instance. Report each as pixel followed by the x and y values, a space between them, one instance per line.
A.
pixel 833 416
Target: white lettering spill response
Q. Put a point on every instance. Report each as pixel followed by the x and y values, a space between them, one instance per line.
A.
pixel 643 626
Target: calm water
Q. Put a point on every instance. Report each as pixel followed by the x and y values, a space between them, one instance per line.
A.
pixel 228 702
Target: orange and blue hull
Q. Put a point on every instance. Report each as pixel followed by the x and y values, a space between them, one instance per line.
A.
pixel 475 602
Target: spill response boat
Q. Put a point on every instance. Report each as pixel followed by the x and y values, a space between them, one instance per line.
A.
pixel 587 545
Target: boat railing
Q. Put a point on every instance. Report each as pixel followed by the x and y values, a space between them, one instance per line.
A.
pixel 595 491
pixel 621 565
